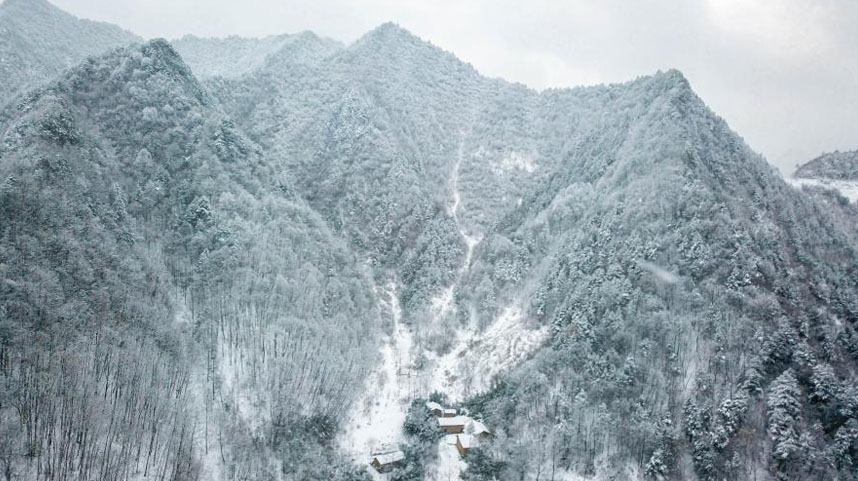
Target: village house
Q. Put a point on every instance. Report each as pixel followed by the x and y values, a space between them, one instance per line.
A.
pixel 477 429
pixel 436 409
pixel 465 443
pixel 452 425
pixel 449 413
pixel 386 457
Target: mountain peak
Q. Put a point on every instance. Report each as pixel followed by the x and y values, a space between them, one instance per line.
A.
pixel 19 5
pixel 674 76
pixel 30 11
pixel 390 28
pixel 670 80
pixel 390 46
pixel 390 33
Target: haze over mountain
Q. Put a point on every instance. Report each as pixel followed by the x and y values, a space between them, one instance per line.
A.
pixel 38 41
pixel 258 258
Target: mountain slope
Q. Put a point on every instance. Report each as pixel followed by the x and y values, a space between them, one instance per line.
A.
pixel 678 281
pixel 673 268
pixel 834 166
pixel 39 41
pixel 175 270
pixel 608 276
pixel 236 56
pixel 837 170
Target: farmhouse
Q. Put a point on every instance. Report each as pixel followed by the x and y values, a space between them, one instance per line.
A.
pixel 466 442
pixel 435 408
pixel 386 457
pixel 477 429
pixel 452 425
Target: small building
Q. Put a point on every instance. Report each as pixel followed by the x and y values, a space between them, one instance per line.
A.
pixel 452 425
pixel 435 408
pixel 465 443
pixel 449 413
pixel 386 461
pixel 477 429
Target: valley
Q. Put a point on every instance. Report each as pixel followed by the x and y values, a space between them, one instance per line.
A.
pixel 261 259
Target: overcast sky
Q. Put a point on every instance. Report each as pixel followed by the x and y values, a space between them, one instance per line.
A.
pixel 783 73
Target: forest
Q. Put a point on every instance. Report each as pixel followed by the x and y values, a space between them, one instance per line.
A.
pixel 212 251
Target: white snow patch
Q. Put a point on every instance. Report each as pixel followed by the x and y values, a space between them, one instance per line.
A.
pixel 183 314
pixel 450 464
pixel 477 357
pixel 848 188
pixel 379 415
pixel 516 161
pixel 659 272
pixel 443 303
pixel 250 408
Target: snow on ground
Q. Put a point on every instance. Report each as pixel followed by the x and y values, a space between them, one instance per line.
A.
pixel 465 370
pixel 470 241
pixel 450 464
pixel 849 189
pixel 250 407
pixel 479 356
pixel 517 161
pixel 379 415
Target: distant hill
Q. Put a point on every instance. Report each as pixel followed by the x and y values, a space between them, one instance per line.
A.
pixel 39 41
pixel 836 170
pixel 237 56
pixel 833 166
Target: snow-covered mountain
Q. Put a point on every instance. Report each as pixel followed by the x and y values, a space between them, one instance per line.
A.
pixel 834 165
pixel 836 170
pixel 38 41
pixel 233 57
pixel 179 273
pixel 306 241
pixel 622 227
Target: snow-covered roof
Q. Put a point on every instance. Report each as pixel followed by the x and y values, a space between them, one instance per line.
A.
pixel 467 441
pixel 453 421
pixel 384 448
pixel 450 411
pixel 475 427
pixel 433 406
pixel 389 458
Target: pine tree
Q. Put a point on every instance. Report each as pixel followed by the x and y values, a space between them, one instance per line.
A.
pixel 783 412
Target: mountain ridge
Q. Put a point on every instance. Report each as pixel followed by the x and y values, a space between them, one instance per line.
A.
pixel 51 40
pixel 607 276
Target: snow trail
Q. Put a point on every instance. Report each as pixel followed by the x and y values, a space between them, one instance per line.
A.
pixel 379 415
pixel 450 464
pixel 470 241
pixel 476 357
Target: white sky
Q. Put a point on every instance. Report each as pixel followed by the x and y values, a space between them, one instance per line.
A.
pixel 783 73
